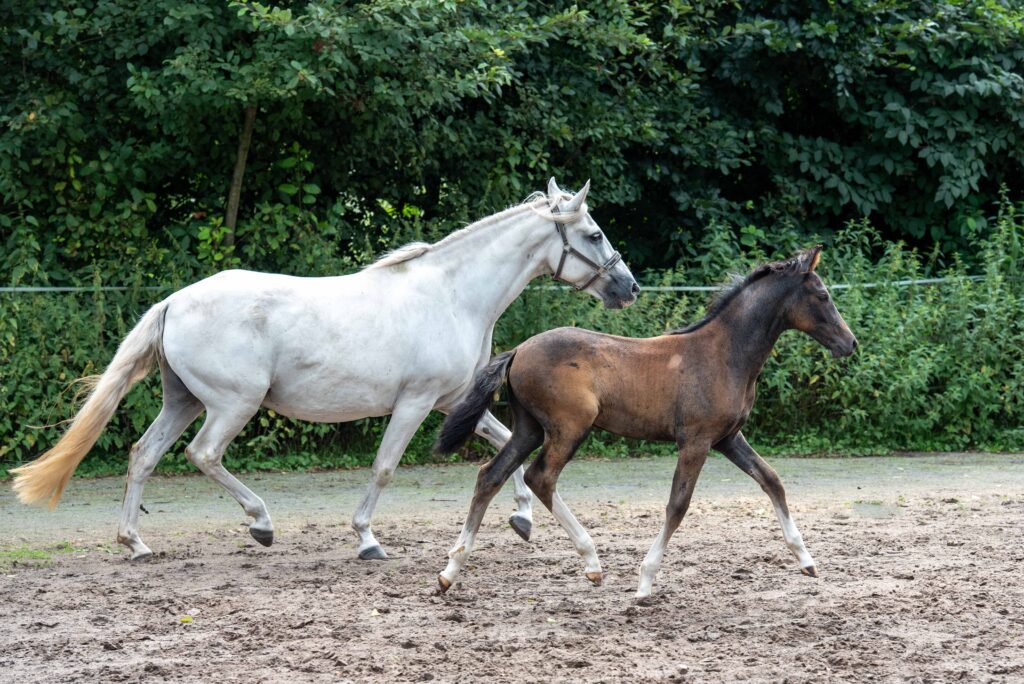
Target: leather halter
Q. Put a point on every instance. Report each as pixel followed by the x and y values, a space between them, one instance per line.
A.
pixel 567 250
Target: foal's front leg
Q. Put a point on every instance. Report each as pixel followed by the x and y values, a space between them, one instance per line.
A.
pixel 691 460
pixel 743 455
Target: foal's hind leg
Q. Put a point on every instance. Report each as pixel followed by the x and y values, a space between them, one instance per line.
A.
pixel 542 478
pixel 206 451
pixel 492 475
pixel 180 408
pixel 491 429
pixel 737 450
pixel 406 417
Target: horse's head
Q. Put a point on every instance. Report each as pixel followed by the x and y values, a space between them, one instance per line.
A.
pixel 582 256
pixel 811 309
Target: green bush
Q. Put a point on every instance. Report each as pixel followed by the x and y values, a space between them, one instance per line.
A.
pixel 939 366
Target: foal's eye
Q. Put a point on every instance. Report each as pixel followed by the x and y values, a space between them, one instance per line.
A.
pixel 823 296
pixel 595 237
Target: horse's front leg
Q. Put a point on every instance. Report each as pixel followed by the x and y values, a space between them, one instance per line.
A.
pixel 691 460
pixel 737 450
pixel 491 429
pixel 406 417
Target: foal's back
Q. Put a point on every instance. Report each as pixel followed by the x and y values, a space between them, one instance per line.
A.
pixel 577 377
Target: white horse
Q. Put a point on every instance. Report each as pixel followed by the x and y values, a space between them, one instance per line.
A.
pixel 401 337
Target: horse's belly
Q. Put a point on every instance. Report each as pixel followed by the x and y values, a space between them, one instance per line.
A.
pixel 334 402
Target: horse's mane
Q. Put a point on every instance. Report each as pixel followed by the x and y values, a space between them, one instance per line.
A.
pixel 536 202
pixel 738 283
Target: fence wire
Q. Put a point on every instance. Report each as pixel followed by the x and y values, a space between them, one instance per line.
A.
pixel 643 288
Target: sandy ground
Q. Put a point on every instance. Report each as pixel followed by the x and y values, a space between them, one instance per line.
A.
pixel 921 562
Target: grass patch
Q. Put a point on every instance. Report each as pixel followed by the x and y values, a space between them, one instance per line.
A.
pixel 28 557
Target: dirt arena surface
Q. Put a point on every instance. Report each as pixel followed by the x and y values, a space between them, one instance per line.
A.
pixel 921 561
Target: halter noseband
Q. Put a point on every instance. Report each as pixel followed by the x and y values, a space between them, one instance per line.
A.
pixel 567 249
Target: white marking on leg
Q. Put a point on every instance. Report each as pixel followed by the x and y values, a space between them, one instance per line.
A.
pixel 652 562
pixel 580 538
pixel 792 535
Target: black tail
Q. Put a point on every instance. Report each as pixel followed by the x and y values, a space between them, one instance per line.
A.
pixel 461 422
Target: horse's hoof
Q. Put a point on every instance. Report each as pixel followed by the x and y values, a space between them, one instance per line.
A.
pixel 522 525
pixel 142 555
pixel 443 585
pixel 373 553
pixel 265 537
pixel 645 600
pixel 810 571
pixel 595 577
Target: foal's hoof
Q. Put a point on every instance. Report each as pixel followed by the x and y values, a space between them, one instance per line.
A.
pixel 443 585
pixel 373 553
pixel 595 577
pixel 265 537
pixel 522 525
pixel 810 571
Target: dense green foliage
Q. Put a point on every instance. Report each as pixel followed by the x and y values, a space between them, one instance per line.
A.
pixel 939 366
pixel 119 124
pixel 717 133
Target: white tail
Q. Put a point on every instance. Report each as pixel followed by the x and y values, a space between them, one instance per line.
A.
pixel 46 477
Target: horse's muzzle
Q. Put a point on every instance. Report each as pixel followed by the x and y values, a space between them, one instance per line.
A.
pixel 620 293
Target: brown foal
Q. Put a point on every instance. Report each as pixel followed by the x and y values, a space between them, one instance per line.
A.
pixel 694 386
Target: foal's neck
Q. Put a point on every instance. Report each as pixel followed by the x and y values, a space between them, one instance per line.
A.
pixel 752 323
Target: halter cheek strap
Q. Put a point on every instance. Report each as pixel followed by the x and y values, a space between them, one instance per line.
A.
pixel 568 250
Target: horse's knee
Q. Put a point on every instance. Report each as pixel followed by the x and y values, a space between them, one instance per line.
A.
pixel 202 458
pixel 488 478
pixel 532 478
pixel 772 485
pixel 383 476
pixel 542 484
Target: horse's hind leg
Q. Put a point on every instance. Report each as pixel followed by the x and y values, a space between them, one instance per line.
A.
pixel 406 417
pixel 737 450
pixel 180 408
pixel 542 478
pixel 491 429
pixel 206 451
pixel 527 436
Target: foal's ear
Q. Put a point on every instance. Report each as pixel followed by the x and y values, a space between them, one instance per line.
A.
pixel 554 194
pixel 579 198
pixel 812 258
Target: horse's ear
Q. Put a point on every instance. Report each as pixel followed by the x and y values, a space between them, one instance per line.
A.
pixel 554 194
pixel 812 258
pixel 579 198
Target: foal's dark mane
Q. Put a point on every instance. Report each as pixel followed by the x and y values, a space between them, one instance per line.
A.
pixel 729 292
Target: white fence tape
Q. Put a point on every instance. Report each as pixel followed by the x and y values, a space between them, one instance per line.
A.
pixel 643 288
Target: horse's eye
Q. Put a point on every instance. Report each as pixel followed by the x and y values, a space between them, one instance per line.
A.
pixel 823 296
pixel 596 237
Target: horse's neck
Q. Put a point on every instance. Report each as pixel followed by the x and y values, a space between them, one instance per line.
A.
pixel 751 324
pixel 489 267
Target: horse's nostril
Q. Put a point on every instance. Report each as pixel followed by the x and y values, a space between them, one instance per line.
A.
pixel 855 343
pixel 635 289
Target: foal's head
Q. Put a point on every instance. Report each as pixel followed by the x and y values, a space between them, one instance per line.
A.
pixel 808 306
